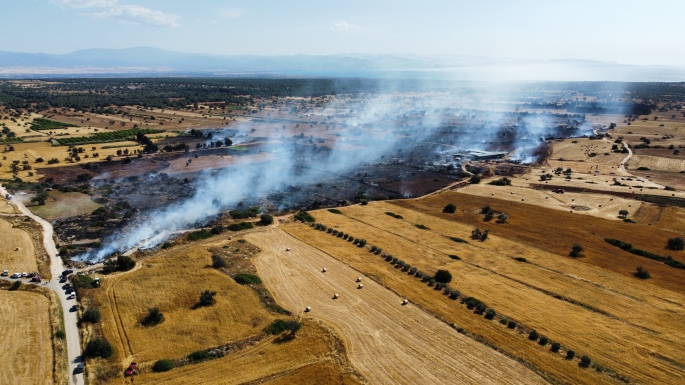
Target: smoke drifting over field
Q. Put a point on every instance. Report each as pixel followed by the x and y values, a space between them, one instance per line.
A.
pixel 374 128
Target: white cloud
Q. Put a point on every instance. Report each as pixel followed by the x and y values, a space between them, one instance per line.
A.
pixel 344 26
pixel 136 14
pixel 232 13
pixel 85 3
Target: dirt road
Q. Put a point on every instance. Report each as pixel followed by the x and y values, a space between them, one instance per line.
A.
pixel 388 342
pixel 56 268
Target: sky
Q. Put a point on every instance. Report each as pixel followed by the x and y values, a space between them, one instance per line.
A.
pixel 622 31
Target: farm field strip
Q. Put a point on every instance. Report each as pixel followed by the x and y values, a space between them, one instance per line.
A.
pixel 480 283
pixel 17 253
pixel 387 342
pixel 26 356
pixel 656 163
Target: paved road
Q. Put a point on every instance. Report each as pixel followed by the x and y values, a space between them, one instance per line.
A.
pixel 56 268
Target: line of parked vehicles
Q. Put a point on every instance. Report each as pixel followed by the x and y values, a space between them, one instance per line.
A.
pixel 33 276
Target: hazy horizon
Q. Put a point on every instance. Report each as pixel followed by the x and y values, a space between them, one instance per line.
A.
pixel 625 32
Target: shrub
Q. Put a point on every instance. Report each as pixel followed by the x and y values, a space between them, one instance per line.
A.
pixel 450 209
pixel 412 270
pixel 163 366
pixel 642 273
pixel 520 259
pixel 216 230
pixel 154 317
pixel 422 227
pixel 490 314
pixel 585 361
pixel 60 334
pixel 121 263
pixel 397 216
pixel 15 286
pixel 91 315
pixel 252 212
pixel 475 179
pixel 454 294
pixel 240 226
pixel 576 250
pixel 98 347
pixel 555 347
pixel 246 279
pixel 443 276
pixel 218 262
pixel 266 219
pixel 511 325
pixel 501 182
pixel 533 336
pixel 458 240
pixel 200 355
pixel 278 327
pixel 304 217
pixel 676 244
pixel 362 242
pixel 335 211
pixel 543 341
pixel 452 256
pixel 198 235
pixel 570 354
pixel 431 282
pixel 485 209
pixel 207 298
pixel 330 230
pixel 504 321
pixel 167 245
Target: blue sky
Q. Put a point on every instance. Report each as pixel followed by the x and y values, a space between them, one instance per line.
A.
pixel 625 31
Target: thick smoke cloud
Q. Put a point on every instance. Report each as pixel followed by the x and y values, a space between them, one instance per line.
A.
pixel 375 127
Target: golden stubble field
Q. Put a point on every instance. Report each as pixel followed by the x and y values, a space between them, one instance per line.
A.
pixel 593 309
pixel 387 342
pixel 26 356
pixel 62 205
pixel 173 282
pixel 17 253
pixel 315 356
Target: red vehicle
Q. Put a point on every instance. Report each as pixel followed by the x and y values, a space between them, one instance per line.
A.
pixel 36 279
pixel 131 370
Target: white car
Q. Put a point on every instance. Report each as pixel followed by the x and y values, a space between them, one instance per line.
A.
pixel 16 275
pixel 5 273
pixel 24 275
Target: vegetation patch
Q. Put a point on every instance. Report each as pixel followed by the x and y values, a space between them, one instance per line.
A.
pixel 240 226
pixel 397 216
pixel 199 235
pixel 304 217
pixel 104 137
pixel 422 227
pixel 246 279
pixel 47 124
pixel 459 240
pixel 501 182
pixel 120 263
pixel 334 211
pixel 252 212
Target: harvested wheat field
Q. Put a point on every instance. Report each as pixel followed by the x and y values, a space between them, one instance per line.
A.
pixel 657 163
pixel 603 311
pixel 387 342
pixel 17 253
pixel 7 208
pixel 173 281
pixel 320 359
pixel 26 356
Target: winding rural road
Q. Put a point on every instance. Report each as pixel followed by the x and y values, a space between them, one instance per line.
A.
pixel 56 268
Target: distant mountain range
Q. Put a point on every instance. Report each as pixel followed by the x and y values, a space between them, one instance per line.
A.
pixel 146 61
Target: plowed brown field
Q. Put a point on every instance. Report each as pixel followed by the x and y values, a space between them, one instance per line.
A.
pixel 386 341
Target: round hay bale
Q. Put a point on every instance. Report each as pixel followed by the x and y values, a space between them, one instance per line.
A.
pixel 308 309
pixel 335 296
pixel 406 301
pixel 360 286
pixel 324 270
pixel 359 279
pixel 288 249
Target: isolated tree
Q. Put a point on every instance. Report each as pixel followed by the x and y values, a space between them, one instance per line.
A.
pixel 91 315
pixel 293 327
pixel 585 361
pixel 154 317
pixel 502 218
pixel 98 347
pixel 475 179
pixel 443 276
pixel 570 354
pixel 623 213
pixel 576 250
pixel 555 347
pixel 266 219
pixel 642 273
pixel 450 209
pixel 533 336
pixel 207 298
pixel 676 244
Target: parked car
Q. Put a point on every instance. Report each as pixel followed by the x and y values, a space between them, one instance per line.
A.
pixel 69 291
pixel 31 275
pixel 80 368
pixel 67 272
pixel 63 279
pixel 23 275
pixel 16 275
pixel 5 273
pixel 73 296
pixel 73 308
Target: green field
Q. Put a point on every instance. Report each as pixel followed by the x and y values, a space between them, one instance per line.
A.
pixel 104 137
pixel 47 124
